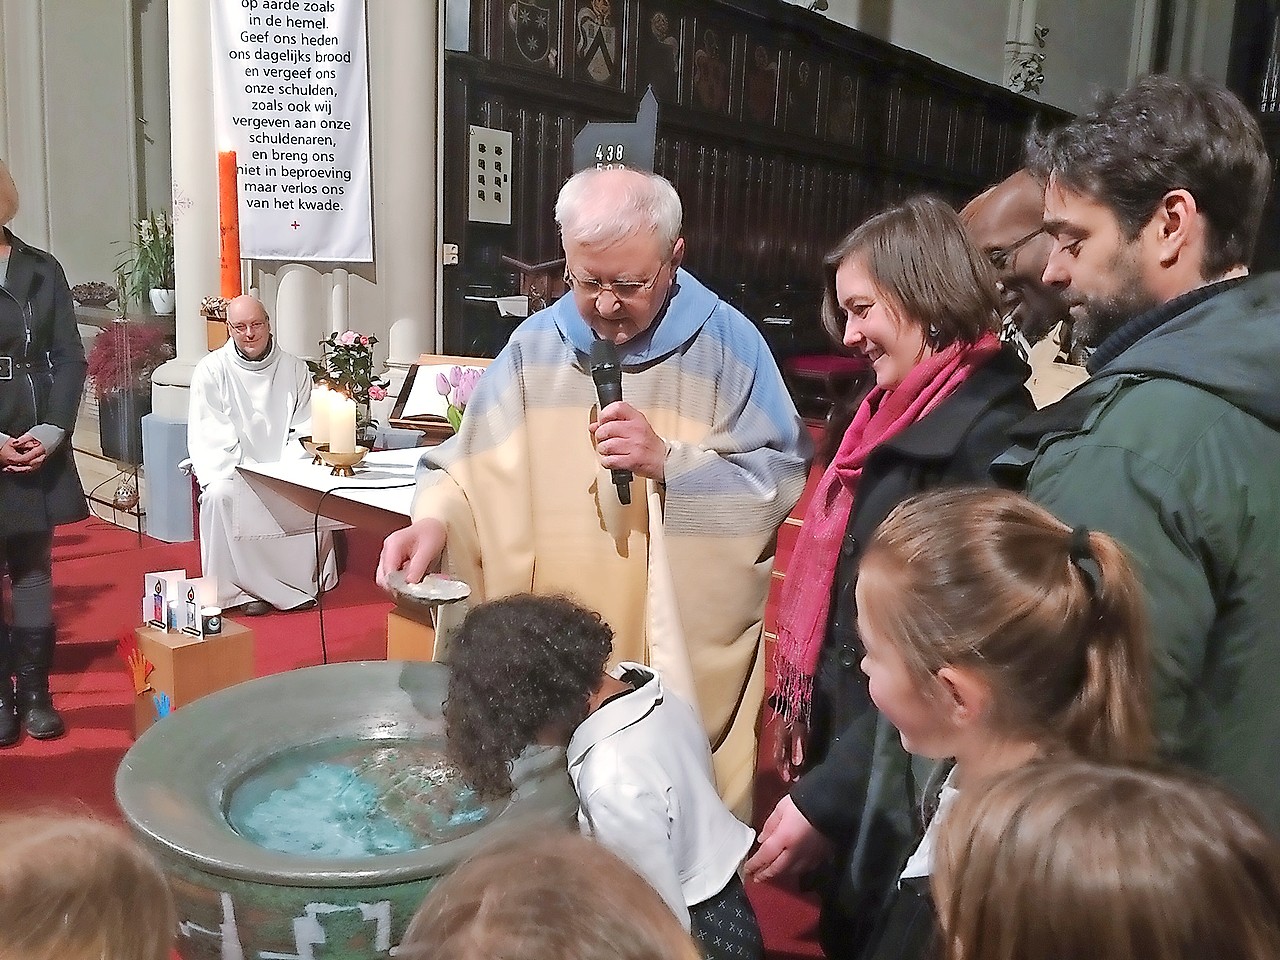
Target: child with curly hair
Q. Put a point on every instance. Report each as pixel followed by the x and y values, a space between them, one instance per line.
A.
pixel 529 669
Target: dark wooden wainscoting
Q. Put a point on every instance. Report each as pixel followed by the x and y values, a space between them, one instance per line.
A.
pixel 780 129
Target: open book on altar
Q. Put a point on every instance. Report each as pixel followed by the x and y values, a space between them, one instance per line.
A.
pixel 421 405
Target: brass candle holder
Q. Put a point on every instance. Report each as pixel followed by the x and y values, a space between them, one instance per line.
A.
pixel 343 464
pixel 313 448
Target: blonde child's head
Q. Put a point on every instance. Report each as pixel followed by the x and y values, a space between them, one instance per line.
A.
pixel 1004 622
pixel 74 888
pixel 1076 859
pixel 549 895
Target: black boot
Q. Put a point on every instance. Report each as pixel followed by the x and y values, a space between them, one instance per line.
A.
pixel 8 703
pixel 33 656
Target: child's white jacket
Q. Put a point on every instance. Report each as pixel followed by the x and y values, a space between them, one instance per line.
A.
pixel 641 765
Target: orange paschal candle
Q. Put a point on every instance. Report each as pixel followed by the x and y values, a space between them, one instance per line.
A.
pixel 229 224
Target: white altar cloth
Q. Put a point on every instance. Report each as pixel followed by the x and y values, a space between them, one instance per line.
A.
pixel 286 494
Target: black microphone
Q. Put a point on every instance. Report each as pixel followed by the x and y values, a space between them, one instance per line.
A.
pixel 606 371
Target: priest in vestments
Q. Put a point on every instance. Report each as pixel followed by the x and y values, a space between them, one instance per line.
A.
pixel 522 498
pixel 249 400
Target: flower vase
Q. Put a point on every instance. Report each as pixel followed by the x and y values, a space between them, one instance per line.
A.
pixel 366 426
pixel 120 414
pixel 163 302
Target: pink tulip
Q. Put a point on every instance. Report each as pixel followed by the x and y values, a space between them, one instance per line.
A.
pixel 466 386
pixel 455 375
pixel 442 385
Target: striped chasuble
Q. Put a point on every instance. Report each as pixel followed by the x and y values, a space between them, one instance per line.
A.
pixel 681 574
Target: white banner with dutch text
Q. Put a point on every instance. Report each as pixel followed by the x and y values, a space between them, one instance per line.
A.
pixel 291 98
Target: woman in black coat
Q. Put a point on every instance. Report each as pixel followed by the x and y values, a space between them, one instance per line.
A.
pixel 910 292
pixel 42 370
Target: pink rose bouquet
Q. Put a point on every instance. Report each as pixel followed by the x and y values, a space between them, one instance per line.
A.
pixel 346 363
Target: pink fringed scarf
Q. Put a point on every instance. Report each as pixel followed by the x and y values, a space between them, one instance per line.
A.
pixel 806 592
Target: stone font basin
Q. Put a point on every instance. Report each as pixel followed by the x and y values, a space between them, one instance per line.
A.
pixel 306 814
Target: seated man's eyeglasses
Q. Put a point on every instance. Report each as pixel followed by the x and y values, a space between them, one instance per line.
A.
pixel 1002 257
pixel 621 289
pixel 240 329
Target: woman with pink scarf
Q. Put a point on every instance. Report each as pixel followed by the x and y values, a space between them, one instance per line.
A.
pixel 908 291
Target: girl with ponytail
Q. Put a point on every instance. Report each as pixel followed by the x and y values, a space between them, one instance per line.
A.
pixel 996 635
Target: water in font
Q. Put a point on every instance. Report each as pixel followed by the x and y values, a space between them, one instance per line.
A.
pixel 356 798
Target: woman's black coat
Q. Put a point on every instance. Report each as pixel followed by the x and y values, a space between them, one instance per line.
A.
pixel 859 789
pixel 38 334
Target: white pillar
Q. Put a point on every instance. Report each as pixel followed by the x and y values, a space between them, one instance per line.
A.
pixel 195 196
pixel 405 142
pixel 300 309
pixel 339 301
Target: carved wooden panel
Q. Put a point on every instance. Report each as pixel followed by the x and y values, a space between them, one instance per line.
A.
pixel 529 33
pixel 780 129
pixel 712 66
pixel 660 60
pixel 600 30
pixel 803 83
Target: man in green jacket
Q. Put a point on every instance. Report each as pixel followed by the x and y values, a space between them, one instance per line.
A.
pixel 1173 446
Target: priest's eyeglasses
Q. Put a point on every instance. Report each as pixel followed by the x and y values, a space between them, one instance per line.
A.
pixel 240 329
pixel 621 289
pixel 1002 257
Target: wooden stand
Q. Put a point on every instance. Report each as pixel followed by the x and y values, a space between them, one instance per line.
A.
pixel 187 667
pixel 410 634
pixel 215 333
pixel 413 635
pixel 214 311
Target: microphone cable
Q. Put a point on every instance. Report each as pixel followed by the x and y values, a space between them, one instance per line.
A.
pixel 315 533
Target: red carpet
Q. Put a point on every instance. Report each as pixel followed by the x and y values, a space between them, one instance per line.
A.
pixel 97 572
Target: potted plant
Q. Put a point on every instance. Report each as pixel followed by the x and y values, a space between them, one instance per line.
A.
pixel 145 269
pixel 346 365
pixel 121 361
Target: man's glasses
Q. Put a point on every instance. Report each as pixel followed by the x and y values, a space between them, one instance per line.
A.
pixel 1002 257
pixel 621 289
pixel 240 329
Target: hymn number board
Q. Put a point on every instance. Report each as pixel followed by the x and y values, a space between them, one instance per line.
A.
pixel 619 144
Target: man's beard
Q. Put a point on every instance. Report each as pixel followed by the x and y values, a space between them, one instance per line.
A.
pixel 1096 318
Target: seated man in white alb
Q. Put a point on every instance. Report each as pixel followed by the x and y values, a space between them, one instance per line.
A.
pixel 249 400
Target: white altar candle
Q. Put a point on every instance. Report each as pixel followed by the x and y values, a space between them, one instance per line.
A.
pixel 320 413
pixel 342 425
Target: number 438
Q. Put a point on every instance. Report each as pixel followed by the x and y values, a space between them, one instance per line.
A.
pixel 608 153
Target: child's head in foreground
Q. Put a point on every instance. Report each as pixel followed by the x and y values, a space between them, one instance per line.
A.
pixel 549 895
pixel 990 625
pixel 522 671
pixel 1083 861
pixel 74 888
